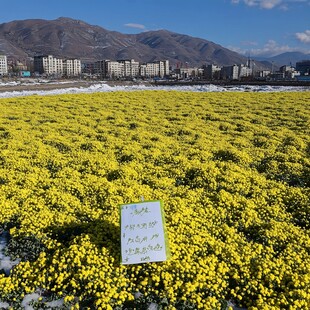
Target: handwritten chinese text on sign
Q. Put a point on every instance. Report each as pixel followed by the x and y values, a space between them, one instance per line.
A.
pixel 143 234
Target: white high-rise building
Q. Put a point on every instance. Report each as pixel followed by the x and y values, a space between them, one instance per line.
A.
pixel 72 67
pixel 117 69
pixel 244 71
pixel 212 72
pixel 50 65
pixel 3 65
pixel 149 69
pixel 155 69
pixel 131 68
pixel 163 68
pixel 99 68
pixel 114 69
pixel 230 72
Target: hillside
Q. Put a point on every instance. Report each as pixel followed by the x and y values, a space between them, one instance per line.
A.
pixel 288 58
pixel 67 37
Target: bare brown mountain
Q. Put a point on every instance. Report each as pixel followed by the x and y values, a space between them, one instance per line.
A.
pixel 67 37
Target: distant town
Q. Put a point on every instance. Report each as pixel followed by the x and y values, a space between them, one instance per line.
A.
pixel 49 66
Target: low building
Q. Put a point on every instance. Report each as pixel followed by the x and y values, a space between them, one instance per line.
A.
pixel 24 73
pixel 88 68
pixel 277 76
pixel 303 78
pixel 264 73
pixel 20 66
pixel 187 73
pixel 289 72
pixel 3 65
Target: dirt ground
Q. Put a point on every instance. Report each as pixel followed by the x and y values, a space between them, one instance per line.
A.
pixel 33 85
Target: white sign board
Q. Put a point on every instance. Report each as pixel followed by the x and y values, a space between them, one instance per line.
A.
pixel 143 233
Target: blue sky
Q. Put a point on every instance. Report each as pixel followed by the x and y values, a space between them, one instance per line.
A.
pixel 255 27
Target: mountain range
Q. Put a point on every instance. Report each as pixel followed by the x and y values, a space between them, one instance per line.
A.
pixel 288 58
pixel 66 37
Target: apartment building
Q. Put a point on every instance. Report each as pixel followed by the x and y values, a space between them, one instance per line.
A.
pixel 3 65
pixel 110 69
pixel 164 68
pixel 245 71
pixel 230 72
pixel 149 70
pixel 114 69
pixel 53 66
pixel 212 72
pixel 131 67
pixel 72 67
pixel 48 65
pixel 98 68
pixel 155 69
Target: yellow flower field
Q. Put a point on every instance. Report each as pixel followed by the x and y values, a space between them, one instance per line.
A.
pixel 233 172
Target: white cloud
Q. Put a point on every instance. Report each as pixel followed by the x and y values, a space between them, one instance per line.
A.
pixel 249 43
pixel 303 37
pixel 137 26
pixel 271 48
pixel 270 4
pixel 251 2
pixel 264 4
